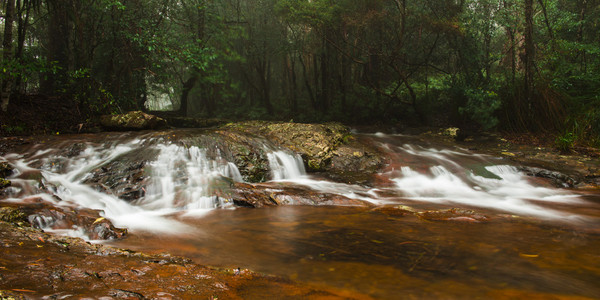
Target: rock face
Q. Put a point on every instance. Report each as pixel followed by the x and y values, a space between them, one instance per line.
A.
pixel 125 177
pixel 5 171
pixel 324 147
pixel 134 120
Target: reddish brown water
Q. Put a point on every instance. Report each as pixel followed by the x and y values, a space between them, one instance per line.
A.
pixel 388 255
pixel 536 241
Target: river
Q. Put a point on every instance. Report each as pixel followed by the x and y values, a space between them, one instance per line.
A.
pixel 437 222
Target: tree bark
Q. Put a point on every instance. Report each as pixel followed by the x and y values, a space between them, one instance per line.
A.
pixel 529 54
pixel 7 53
pixel 57 46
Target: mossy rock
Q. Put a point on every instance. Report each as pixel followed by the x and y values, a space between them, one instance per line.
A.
pixel 13 215
pixel 5 169
pixel 134 120
pixel 314 142
pixel 4 183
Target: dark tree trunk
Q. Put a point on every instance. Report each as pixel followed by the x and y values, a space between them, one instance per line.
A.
pixel 23 23
pixel 529 55
pixel 188 85
pixel 57 45
pixel 7 49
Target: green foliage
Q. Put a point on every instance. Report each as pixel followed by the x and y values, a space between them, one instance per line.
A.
pixel 89 93
pixel 359 61
pixel 13 129
pixel 481 106
pixel 564 142
pixel 26 69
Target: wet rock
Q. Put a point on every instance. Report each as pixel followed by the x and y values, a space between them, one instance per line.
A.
pixel 75 149
pixel 10 295
pixel 249 154
pixel 559 179
pixel 314 142
pixel 135 120
pixel 248 195
pixel 125 177
pixel 44 215
pixel 453 215
pixel 323 147
pixel 5 169
pixel 395 211
pixel 4 183
pixel 36 265
pixel 355 162
pixel 13 215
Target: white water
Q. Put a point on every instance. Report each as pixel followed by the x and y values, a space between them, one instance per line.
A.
pixel 285 166
pixel 503 188
pixel 187 179
pixel 181 179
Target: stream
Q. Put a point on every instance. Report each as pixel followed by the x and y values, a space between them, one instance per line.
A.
pixel 435 222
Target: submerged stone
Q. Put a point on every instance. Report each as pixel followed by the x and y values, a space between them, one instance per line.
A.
pixel 453 215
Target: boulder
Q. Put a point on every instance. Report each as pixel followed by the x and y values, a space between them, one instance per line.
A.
pixel 134 120
pixel 124 177
pixel 40 214
pixel 323 147
pixel 559 179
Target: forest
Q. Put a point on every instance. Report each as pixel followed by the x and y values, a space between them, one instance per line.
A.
pixel 514 65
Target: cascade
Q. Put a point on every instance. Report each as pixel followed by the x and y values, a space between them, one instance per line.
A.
pixel 285 165
pixel 197 179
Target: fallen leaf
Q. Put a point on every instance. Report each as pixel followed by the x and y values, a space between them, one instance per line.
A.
pixel 98 220
pixel 23 290
pixel 528 255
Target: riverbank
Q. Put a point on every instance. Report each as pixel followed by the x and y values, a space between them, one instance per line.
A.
pixel 62 265
pixel 35 264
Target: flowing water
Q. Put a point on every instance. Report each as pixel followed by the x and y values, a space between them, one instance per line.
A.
pixel 524 239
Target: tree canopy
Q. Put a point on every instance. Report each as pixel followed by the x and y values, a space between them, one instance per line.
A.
pixel 485 64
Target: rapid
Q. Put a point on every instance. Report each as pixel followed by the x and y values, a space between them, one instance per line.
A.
pixel 436 221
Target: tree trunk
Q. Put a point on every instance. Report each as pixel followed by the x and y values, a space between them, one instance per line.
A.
pixel 188 85
pixel 57 45
pixel 529 55
pixel 7 53
pixel 23 24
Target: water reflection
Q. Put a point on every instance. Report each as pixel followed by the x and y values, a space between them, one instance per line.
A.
pixel 386 253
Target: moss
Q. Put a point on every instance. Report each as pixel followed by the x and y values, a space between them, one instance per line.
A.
pixel 5 169
pixel 4 183
pixel 13 215
pixel 314 165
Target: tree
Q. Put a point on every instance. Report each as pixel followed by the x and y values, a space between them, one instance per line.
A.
pixel 7 54
pixel 529 56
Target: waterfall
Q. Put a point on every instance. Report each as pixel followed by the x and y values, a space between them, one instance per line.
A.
pixel 284 165
pixel 178 179
pixel 187 178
